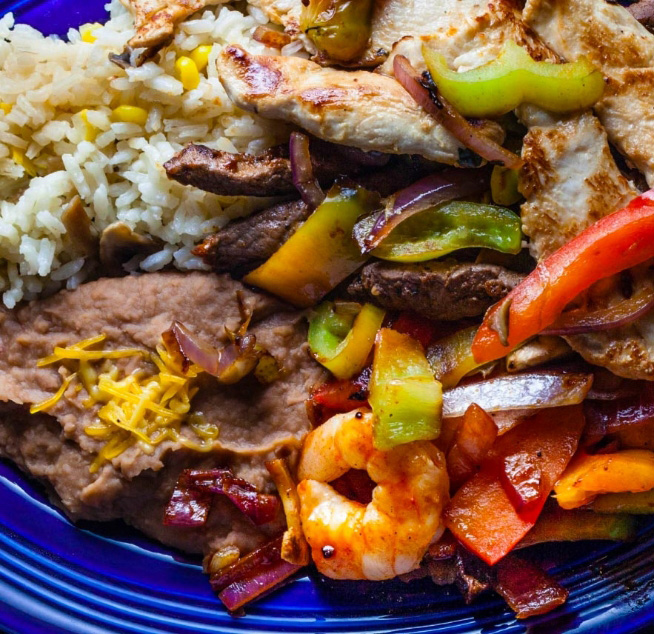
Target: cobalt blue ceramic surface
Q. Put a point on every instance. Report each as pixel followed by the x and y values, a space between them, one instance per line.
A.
pixel 95 578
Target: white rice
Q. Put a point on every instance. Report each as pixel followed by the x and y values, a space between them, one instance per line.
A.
pixel 119 174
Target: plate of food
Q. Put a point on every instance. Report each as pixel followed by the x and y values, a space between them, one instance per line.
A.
pixel 326 316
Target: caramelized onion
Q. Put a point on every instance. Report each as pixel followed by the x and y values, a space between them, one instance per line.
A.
pixel 229 365
pixel 271 37
pixel 252 576
pixel 302 170
pixel 261 508
pixel 432 190
pixel 579 321
pixel 533 390
pixel 425 93
pixel 608 417
pixel 187 507
pixel 527 588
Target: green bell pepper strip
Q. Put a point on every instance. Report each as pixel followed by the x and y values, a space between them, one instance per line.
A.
pixel 341 336
pixel 405 398
pixel 557 525
pixel 514 78
pixel 321 253
pixel 504 186
pixel 633 503
pixel 440 230
pixel 451 357
pixel 340 29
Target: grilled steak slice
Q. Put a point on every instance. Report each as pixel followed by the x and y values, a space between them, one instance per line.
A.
pixel 437 290
pixel 268 174
pixel 244 244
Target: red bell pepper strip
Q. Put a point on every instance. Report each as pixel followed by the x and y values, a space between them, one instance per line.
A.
pixel 481 515
pixel 416 326
pixel 614 243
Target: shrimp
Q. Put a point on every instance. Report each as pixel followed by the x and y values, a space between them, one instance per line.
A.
pixel 389 536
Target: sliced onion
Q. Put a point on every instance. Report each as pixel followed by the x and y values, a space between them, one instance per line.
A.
pixel 527 589
pixel 579 321
pixel 609 417
pixel 252 576
pixel 187 507
pixel 532 390
pixel 188 348
pixel 229 364
pixel 302 170
pixel 427 192
pixel 271 37
pixel 469 136
pixel 261 508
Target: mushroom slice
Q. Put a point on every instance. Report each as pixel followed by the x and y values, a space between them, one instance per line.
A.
pixel 119 244
pixel 79 231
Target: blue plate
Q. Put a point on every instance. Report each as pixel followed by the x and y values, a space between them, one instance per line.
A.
pixel 100 578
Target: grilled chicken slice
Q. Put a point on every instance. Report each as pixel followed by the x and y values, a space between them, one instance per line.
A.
pixel 623 50
pixel 362 109
pixel 155 20
pixel 570 180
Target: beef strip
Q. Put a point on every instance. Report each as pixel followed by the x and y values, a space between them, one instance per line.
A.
pixel 269 174
pixel 437 290
pixel 643 11
pixel 255 421
pixel 244 244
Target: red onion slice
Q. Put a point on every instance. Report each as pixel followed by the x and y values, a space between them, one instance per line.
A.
pixel 527 589
pixel 448 117
pixel 187 507
pixel 532 390
pixel 579 321
pixel 187 348
pixel 252 576
pixel 429 191
pixel 609 417
pixel 261 508
pixel 302 170
pixel 229 364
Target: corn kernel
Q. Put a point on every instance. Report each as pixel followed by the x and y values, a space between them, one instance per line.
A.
pixel 130 114
pixel 90 131
pixel 188 73
pixel 200 56
pixel 18 157
pixel 86 31
pixel 5 107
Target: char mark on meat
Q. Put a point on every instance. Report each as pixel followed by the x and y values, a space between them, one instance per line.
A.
pixel 436 290
pixel 245 244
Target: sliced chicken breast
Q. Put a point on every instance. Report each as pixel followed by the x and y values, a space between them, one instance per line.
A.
pixel 155 20
pixel 361 109
pixel 623 50
pixel 569 180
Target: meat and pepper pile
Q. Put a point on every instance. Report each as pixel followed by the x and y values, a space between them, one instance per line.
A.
pixel 432 350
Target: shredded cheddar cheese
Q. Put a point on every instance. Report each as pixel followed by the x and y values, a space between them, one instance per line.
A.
pixel 143 407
